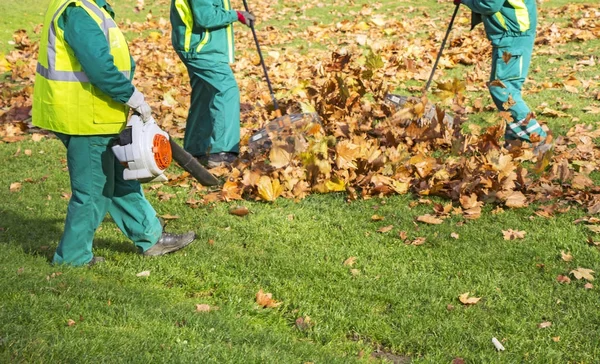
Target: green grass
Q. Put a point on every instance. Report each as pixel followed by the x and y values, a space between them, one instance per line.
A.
pixel 397 303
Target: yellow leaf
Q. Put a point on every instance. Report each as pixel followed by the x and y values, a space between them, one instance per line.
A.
pixel 269 190
pixel 279 156
pixel 466 300
pixel 335 185
pixel 350 261
pixel 584 273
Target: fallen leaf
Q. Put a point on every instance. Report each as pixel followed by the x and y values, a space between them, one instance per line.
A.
pixel 15 187
pixel 584 273
pixel 544 324
pixel 354 272
pixel 563 279
pixel 556 339
pixel 567 257
pixel 454 235
pixel 377 218
pixel 265 300
pixel 239 211
pixel 169 217
pixel 511 234
pixel 385 229
pixel 429 219
pixel 145 273
pixel 466 300
pixel 588 286
pixel 350 261
pixel 71 322
pixel 203 307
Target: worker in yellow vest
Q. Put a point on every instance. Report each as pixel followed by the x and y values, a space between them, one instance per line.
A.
pixel 83 93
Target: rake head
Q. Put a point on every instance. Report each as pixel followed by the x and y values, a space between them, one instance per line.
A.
pixel 410 109
pixel 284 129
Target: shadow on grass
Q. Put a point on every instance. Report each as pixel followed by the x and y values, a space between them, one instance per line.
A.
pixel 40 236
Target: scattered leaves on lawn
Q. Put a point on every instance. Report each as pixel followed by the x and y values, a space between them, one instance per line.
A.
pixel 239 211
pixel 583 273
pixel 511 234
pixel 466 300
pixel 266 300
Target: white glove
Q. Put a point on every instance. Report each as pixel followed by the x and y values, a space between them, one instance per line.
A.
pixel 139 104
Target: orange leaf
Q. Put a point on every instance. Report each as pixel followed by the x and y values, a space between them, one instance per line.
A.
pixel 385 229
pixel 265 300
pixel 239 211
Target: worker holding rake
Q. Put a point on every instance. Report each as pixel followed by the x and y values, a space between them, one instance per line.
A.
pixel 510 25
pixel 83 93
pixel 202 36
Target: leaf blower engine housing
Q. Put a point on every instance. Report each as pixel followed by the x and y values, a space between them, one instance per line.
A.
pixel 144 150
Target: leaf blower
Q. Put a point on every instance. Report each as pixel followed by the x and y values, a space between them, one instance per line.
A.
pixel 146 151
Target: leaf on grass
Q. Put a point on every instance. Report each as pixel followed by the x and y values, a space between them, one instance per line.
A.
pixel 385 229
pixel 567 257
pixel 350 261
pixel 466 300
pixel 303 323
pixel 588 285
pixel 203 307
pixel 544 324
pixel 563 279
pixel 71 322
pixel 556 339
pixel 454 235
pixel 511 234
pixel 266 300
pixel 145 273
pixel 239 211
pixel 15 187
pixel 429 219
pixel 354 272
pixel 377 218
pixel 584 273
pixel 169 217
pixel 516 200
pixel 418 241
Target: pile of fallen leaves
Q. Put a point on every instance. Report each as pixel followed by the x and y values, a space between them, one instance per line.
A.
pixel 365 146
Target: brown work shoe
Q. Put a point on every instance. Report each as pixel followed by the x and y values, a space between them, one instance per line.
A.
pixel 169 243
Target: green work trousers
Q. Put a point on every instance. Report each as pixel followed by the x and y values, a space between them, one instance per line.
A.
pixel 213 123
pixel 511 57
pixel 98 187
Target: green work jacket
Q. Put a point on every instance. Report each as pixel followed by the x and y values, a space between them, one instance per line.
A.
pixel 503 18
pixel 203 29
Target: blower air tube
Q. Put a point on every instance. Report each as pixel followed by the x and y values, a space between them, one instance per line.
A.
pixel 191 165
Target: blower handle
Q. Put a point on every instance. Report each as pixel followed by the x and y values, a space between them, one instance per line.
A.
pixel 437 59
pixel 264 66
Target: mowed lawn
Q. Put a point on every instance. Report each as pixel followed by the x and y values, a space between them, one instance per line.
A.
pixel 348 288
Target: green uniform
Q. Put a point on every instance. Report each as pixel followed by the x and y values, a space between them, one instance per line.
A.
pixel 96 177
pixel 202 36
pixel 511 26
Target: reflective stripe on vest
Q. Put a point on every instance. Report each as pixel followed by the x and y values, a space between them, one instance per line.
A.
pixel 227 6
pixel 51 73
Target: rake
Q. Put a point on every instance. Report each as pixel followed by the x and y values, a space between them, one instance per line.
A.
pixel 430 113
pixel 283 126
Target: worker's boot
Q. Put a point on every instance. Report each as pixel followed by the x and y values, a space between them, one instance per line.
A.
pixel 169 243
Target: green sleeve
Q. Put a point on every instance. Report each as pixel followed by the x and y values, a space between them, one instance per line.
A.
pixel 208 16
pixel 92 51
pixel 484 7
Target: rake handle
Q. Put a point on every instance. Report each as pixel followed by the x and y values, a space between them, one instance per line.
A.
pixel 264 66
pixel 437 59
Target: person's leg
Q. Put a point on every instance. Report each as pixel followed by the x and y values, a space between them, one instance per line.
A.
pixel 220 93
pixel 132 213
pixel 89 160
pixel 199 125
pixel 510 65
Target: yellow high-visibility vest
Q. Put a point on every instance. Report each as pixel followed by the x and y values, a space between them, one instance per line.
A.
pixel 64 100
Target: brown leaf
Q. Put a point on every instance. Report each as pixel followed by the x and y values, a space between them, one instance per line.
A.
pixel 265 300
pixel 466 300
pixel 239 211
pixel 511 234
pixel 516 200
pixel 377 218
pixel 350 261
pixel 429 219
pixel 506 57
pixel 385 229
pixel 588 286
pixel 203 307
pixel 584 273
pixel 563 279
pixel 567 257
pixel 15 187
pixel 544 324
